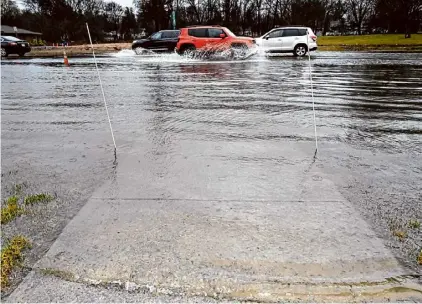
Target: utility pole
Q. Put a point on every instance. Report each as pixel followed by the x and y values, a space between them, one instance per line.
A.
pixel 173 14
pixel 173 19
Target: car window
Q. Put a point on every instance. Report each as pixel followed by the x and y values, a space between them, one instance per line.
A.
pixel 275 34
pixel 11 38
pixel 290 32
pixel 156 36
pixel 200 32
pixel 170 34
pixel 214 33
pixel 302 32
pixel 166 35
pixel 229 32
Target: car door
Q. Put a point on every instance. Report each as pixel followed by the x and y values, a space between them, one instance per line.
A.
pixel 214 39
pixel 172 42
pixel 166 41
pixel 290 38
pixel 155 42
pixel 272 42
pixel 200 37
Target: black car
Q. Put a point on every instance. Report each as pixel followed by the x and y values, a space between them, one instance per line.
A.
pixel 13 45
pixel 162 41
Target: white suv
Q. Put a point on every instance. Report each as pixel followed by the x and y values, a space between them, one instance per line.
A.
pixel 288 39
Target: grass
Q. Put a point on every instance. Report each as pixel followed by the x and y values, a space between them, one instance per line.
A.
pixel 37 198
pixel 398 229
pixel 11 257
pixel 64 275
pixel 17 189
pixel 11 209
pixel 380 42
pixel 420 258
pixel 400 234
pixel 414 224
pixel 379 39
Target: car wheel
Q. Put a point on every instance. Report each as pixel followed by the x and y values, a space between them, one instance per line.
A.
pixel 189 51
pixel 3 52
pixel 239 50
pixel 300 50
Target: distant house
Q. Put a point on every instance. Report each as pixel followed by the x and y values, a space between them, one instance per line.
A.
pixel 7 30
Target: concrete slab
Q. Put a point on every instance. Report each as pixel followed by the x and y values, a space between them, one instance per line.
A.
pixel 216 226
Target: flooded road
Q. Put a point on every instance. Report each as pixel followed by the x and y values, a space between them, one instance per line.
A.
pixel 223 131
pixel 365 100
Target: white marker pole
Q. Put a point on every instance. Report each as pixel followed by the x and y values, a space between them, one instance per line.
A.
pixel 102 90
pixel 312 92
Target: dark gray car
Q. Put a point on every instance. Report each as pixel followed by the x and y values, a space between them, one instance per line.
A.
pixel 13 45
pixel 162 41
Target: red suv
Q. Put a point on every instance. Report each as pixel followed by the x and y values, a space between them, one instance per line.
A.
pixel 210 39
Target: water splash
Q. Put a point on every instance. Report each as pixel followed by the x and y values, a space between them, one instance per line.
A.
pixel 143 51
pixel 125 53
pixel 205 54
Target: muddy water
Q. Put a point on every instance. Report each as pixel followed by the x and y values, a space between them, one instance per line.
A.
pixel 368 110
pixel 365 100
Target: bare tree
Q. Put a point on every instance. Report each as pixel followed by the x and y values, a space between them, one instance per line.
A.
pixel 359 11
pixel 9 11
pixel 114 13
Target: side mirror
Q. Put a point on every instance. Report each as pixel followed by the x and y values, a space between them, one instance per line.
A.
pixel 266 37
pixel 222 36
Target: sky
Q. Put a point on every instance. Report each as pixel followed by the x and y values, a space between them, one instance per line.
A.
pixel 124 3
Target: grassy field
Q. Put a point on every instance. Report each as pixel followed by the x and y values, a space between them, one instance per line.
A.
pixel 386 42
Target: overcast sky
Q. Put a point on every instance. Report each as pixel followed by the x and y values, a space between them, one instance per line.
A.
pixel 124 3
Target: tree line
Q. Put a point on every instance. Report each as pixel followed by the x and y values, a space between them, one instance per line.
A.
pixel 60 20
pixel 65 19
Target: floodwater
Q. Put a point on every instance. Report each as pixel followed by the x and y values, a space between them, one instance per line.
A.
pixel 365 100
pixel 164 108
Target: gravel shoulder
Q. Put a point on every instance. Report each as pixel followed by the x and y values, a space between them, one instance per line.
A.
pixel 75 50
pixel 53 165
pixel 385 188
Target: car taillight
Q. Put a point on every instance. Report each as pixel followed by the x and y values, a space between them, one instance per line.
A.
pixel 13 43
pixel 314 38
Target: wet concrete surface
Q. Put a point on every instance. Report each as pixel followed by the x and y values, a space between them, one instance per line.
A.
pixel 215 176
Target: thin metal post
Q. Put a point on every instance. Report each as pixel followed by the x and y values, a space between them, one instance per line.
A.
pixel 102 90
pixel 312 92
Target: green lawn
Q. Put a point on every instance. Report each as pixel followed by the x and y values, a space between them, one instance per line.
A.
pixel 380 40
